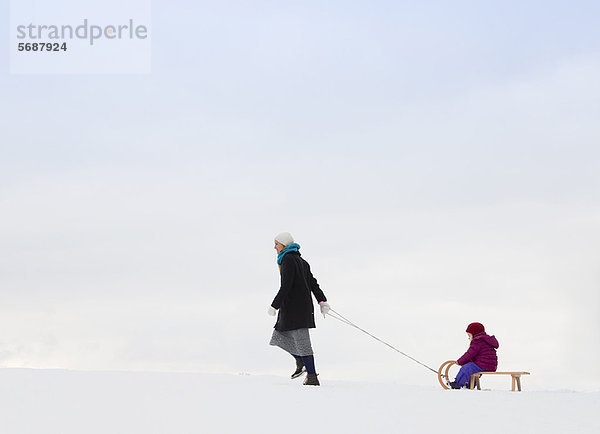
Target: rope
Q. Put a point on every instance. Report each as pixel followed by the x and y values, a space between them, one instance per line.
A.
pixel 339 317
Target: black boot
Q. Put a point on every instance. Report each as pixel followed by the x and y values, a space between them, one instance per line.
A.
pixel 299 368
pixel 454 385
pixel 311 380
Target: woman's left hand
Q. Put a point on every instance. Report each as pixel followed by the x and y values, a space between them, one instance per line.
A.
pixel 325 308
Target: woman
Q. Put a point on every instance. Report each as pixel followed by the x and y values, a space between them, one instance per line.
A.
pixel 295 305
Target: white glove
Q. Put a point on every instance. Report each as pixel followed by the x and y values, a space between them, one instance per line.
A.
pixel 271 311
pixel 324 308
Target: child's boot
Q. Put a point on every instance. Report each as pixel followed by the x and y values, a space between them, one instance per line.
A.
pixel 454 385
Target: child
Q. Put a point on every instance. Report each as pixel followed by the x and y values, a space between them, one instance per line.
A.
pixel 481 355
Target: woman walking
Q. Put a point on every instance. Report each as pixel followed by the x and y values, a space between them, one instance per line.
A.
pixel 295 305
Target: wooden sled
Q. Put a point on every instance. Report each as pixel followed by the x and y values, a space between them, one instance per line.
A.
pixel 444 379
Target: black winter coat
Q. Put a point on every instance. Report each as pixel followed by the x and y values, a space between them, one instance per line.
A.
pixel 294 300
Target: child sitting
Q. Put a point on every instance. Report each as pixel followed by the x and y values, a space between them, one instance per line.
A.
pixel 481 355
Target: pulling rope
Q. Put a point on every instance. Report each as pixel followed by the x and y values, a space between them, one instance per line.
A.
pixel 341 318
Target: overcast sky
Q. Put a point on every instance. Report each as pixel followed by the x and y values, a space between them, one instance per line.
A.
pixel 437 162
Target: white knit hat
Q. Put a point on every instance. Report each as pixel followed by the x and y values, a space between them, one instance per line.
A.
pixel 284 238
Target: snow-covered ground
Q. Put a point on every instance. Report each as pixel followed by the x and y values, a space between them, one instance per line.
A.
pixel 56 401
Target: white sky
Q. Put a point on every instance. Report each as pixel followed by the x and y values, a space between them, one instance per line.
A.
pixel 438 164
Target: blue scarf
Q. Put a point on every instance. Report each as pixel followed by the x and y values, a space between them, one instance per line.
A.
pixel 294 247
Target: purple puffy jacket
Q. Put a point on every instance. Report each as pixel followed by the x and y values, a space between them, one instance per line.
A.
pixel 482 352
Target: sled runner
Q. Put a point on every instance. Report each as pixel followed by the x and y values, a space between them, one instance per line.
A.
pixel 516 378
pixel 445 367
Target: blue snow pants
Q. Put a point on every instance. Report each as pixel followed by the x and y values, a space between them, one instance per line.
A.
pixel 464 375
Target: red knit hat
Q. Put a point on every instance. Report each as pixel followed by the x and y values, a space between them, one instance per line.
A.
pixel 475 328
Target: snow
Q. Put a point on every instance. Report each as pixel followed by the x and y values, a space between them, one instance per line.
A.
pixel 58 401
